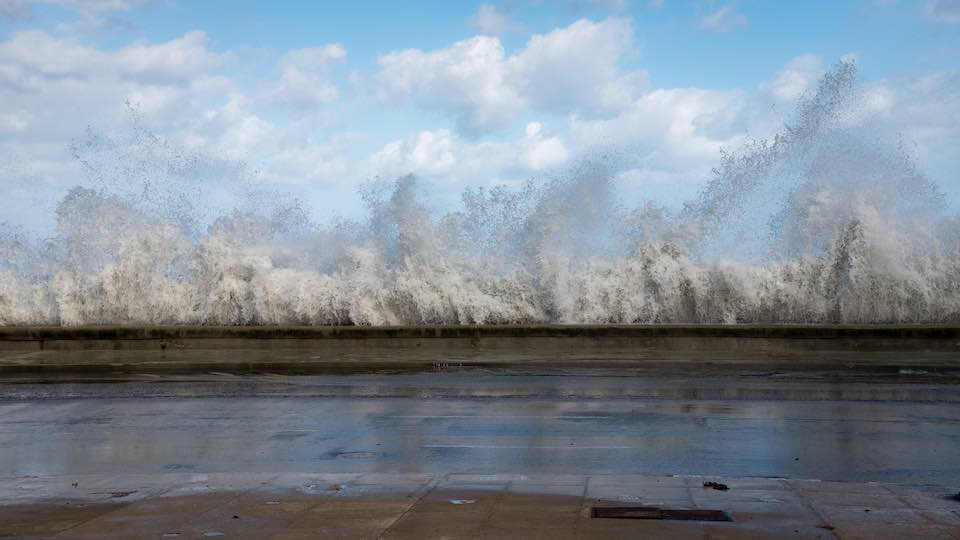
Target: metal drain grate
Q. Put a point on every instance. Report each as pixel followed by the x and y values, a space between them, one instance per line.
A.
pixel 652 512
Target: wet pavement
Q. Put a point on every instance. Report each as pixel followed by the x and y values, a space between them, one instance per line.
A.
pixel 384 454
pixel 301 506
pixel 488 422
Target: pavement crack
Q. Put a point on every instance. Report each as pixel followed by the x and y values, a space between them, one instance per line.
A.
pixel 431 486
pixel 583 505
pixel 810 506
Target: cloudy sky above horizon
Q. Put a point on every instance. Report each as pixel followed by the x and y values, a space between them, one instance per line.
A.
pixel 315 98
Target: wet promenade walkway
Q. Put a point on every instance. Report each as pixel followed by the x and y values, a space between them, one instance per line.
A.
pixel 901 428
pixel 291 506
pixel 813 452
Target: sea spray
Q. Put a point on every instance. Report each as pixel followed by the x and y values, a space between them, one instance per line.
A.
pixel 827 222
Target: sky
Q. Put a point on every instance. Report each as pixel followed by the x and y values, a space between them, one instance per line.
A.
pixel 313 99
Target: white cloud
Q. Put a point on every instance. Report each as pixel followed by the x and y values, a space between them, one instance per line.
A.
pixel 94 14
pixel 615 6
pixel 575 68
pixel 670 129
pixel 238 129
pixel 443 154
pixel 490 20
pixel 425 153
pixel 562 95
pixel 53 87
pixel 180 59
pixel 943 11
pixel 538 152
pixel 924 110
pixel 33 58
pixel 470 80
pixel 797 77
pixel 724 19
pixel 664 136
pixel 67 85
pixel 304 76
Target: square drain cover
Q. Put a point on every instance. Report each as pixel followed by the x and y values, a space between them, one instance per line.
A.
pixel 652 512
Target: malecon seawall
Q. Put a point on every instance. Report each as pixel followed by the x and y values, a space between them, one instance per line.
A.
pixel 297 349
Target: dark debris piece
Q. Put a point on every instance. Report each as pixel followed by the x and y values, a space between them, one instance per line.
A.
pixel 652 512
pixel 716 485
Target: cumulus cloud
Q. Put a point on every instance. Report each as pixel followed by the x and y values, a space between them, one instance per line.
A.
pixel 673 129
pixel 538 151
pixel 305 78
pixel 724 19
pixel 237 130
pixel 668 135
pixel 676 134
pixel 470 79
pixel 442 153
pixel 67 85
pixel 180 59
pixel 569 69
pixel 563 95
pixel 796 78
pixel 424 153
pixel 33 58
pixel 577 68
pixel 52 88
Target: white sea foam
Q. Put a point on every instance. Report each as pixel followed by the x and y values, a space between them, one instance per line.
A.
pixel 826 222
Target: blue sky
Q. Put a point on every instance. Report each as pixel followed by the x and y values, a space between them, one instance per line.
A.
pixel 317 97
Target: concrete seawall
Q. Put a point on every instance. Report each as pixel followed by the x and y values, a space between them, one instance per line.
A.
pixel 351 348
pixel 786 331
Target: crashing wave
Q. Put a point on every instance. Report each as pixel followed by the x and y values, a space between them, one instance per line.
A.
pixel 822 224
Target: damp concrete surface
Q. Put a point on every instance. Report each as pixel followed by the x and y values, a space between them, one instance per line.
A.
pixel 469 453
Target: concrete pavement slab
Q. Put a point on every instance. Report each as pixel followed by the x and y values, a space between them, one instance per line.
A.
pixel 427 506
